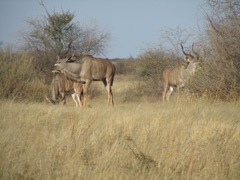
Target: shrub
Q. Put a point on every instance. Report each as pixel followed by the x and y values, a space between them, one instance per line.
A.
pixel 18 78
pixel 150 67
pixel 124 66
pixel 220 75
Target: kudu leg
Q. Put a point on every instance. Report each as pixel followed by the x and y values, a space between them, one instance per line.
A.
pixel 109 90
pixel 164 94
pixel 165 90
pixel 165 87
pixel 74 96
pixel 63 98
pixel 79 100
pixel 85 89
pixel 110 96
pixel 78 92
pixel 84 96
pixel 169 92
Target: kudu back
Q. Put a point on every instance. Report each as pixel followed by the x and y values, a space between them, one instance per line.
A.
pixel 178 76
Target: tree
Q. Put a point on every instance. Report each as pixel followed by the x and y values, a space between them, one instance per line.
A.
pixel 57 34
pixel 175 37
pixel 223 31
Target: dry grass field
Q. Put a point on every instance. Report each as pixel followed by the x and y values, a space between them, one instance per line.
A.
pixel 188 139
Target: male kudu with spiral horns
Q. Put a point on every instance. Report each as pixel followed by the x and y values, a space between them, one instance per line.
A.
pixel 178 76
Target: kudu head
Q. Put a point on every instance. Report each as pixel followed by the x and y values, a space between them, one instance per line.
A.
pixel 192 61
pixel 187 57
pixel 60 62
pixel 69 66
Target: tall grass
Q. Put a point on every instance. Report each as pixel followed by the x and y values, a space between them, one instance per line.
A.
pixel 183 140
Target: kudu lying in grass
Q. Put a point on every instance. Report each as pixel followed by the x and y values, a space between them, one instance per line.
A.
pixel 86 69
pixel 62 86
pixel 178 76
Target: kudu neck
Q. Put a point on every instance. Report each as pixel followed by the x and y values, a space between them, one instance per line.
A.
pixel 189 70
pixel 71 75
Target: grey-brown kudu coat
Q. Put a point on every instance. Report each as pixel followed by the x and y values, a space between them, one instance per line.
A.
pixel 87 69
pixel 178 76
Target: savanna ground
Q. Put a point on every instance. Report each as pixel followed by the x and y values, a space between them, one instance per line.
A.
pixel 144 139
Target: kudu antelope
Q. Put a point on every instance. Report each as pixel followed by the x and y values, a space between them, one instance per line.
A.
pixel 62 86
pixel 87 69
pixel 178 76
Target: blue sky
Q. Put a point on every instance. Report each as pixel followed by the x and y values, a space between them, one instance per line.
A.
pixel 133 24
